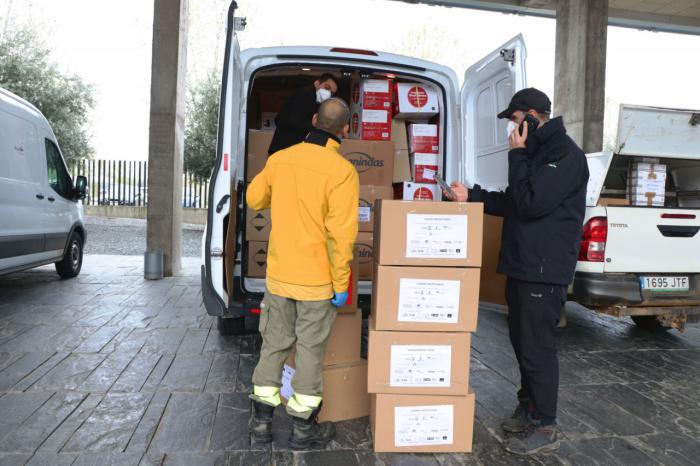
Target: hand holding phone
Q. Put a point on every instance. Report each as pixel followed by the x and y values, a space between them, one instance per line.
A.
pixel 446 187
pixel 532 124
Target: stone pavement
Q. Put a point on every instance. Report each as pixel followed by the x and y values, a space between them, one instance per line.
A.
pixel 108 369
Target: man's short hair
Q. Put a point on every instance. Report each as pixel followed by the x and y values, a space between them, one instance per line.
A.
pixel 327 76
pixel 333 115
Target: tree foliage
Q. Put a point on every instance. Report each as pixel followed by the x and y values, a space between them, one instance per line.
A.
pixel 65 100
pixel 201 123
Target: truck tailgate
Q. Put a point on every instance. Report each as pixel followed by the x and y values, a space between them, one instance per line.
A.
pixel 652 240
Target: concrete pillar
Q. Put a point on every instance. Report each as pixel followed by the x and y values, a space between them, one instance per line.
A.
pixel 167 132
pixel 579 69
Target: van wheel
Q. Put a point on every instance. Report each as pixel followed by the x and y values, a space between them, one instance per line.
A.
pixel 648 323
pixel 72 261
pixel 231 325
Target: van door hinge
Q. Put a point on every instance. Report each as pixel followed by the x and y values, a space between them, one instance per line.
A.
pixel 239 24
pixel 694 119
pixel 216 253
pixel 508 55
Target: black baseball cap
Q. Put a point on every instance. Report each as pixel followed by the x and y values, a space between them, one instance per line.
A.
pixel 526 99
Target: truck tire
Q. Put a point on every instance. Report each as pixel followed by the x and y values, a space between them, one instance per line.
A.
pixel 230 326
pixel 648 323
pixel 72 261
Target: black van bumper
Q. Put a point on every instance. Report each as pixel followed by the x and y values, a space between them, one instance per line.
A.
pixel 216 307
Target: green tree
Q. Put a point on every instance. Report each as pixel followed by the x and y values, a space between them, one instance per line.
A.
pixel 65 100
pixel 201 123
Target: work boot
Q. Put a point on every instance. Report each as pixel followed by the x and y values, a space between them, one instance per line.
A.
pixel 308 434
pixel 260 424
pixel 535 439
pixel 519 420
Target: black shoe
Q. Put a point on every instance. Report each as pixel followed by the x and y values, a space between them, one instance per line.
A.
pixel 536 439
pixel 260 424
pixel 519 420
pixel 308 434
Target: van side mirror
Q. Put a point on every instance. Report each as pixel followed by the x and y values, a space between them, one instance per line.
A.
pixel 80 187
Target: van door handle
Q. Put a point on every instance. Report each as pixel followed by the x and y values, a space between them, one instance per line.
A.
pixel 220 205
pixel 51 199
pixel 39 196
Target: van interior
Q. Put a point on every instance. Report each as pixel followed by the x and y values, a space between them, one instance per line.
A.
pixel 267 94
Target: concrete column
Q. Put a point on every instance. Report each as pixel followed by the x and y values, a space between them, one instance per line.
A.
pixel 167 132
pixel 579 69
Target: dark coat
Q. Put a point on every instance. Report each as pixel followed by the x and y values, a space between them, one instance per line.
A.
pixel 543 207
pixel 293 122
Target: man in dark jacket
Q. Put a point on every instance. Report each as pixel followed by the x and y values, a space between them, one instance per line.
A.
pixel 543 211
pixel 293 122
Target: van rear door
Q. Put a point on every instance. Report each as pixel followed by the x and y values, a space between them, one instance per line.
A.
pixel 228 152
pixel 488 87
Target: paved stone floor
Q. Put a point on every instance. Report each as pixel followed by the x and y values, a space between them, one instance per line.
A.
pixel 108 369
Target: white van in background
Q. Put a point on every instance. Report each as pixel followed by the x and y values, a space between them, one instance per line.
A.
pixel 472 140
pixel 40 218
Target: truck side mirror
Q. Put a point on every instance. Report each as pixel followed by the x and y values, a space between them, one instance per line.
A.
pixel 80 187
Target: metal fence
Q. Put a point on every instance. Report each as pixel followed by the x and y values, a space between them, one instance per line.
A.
pixel 125 183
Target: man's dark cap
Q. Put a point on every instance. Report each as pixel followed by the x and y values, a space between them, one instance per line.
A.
pixel 526 99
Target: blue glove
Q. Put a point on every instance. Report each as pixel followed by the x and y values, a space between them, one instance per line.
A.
pixel 340 299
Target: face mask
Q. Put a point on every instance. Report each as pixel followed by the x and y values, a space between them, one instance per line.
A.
pixel 322 94
pixel 510 127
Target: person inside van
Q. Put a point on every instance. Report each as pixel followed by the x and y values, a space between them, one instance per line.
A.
pixel 543 211
pixel 314 194
pixel 293 122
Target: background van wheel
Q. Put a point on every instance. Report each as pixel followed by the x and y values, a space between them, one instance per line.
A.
pixel 648 323
pixel 72 261
pixel 231 325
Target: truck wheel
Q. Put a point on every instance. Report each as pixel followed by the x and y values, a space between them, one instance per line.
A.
pixel 648 323
pixel 230 326
pixel 72 261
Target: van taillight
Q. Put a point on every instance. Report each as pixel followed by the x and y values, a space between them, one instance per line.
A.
pixel 595 234
pixel 354 51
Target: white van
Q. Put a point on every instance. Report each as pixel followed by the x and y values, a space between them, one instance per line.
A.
pixel 472 139
pixel 41 220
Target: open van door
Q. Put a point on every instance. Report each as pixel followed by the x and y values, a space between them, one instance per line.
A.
pixel 224 174
pixel 488 87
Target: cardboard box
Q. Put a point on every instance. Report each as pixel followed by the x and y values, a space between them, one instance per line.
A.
pixel 374 94
pixel 370 125
pixel 258 225
pixel 343 342
pixel 373 160
pixel 427 234
pixel 425 299
pixel 449 426
pixel 423 138
pixel 364 253
pixel 611 201
pixel 424 167
pixel 398 134
pixel 258 143
pixel 493 284
pixel 402 166
pixel 267 121
pixel 344 391
pixel 257 259
pixel 410 191
pixel 648 200
pixel 368 197
pixel 273 100
pixel 415 100
pixel 425 363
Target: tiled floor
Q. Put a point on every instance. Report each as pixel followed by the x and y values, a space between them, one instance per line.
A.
pixel 109 369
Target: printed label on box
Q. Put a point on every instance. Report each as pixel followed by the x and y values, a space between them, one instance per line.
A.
pixel 375 116
pixel 423 425
pixel 365 213
pixel 428 174
pixel 425 300
pixel 435 236
pixel 376 85
pixel 286 390
pixel 420 365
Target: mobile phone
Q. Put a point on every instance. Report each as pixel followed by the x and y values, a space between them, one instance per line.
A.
pixel 445 186
pixel 532 124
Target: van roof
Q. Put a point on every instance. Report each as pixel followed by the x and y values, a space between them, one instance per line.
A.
pixel 17 99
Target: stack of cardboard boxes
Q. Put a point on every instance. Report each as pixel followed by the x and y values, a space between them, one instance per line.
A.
pixel 424 306
pixel 647 183
pixel 258 223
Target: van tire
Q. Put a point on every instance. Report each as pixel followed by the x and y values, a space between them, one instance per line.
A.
pixel 230 326
pixel 648 323
pixel 72 261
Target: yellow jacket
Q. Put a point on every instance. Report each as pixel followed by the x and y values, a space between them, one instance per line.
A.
pixel 313 192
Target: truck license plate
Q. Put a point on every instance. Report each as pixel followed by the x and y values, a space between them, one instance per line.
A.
pixel 665 283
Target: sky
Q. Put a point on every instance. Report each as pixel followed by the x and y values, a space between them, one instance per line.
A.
pixel 109 45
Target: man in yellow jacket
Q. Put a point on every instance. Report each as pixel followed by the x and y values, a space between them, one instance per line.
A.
pixel 313 193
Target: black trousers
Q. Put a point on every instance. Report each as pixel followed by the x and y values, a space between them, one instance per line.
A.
pixel 534 310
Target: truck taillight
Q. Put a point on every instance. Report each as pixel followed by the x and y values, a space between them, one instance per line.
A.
pixel 595 234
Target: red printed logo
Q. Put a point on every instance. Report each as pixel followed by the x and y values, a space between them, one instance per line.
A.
pixel 423 194
pixel 356 93
pixel 355 123
pixel 417 97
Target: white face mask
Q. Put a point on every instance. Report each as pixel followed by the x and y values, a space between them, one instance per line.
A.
pixel 322 94
pixel 510 127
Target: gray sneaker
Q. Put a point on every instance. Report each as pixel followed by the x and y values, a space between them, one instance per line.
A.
pixel 518 421
pixel 536 439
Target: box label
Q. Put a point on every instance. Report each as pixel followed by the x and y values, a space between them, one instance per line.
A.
pixel 375 116
pixel 286 390
pixel 420 366
pixel 365 213
pixel 423 425
pixel 380 86
pixel 435 236
pixel 432 301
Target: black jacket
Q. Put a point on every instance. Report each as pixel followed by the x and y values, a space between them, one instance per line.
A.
pixel 293 122
pixel 543 207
